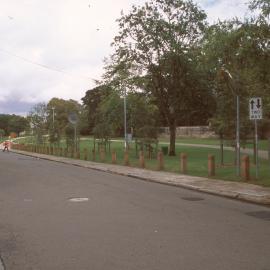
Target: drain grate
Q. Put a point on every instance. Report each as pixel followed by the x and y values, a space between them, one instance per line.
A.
pixel 193 199
pixel 78 199
pixel 265 215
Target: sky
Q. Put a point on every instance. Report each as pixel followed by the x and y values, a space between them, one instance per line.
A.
pixel 56 48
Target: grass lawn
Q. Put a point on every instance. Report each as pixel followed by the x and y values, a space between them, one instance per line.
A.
pixel 197 160
pixel 262 144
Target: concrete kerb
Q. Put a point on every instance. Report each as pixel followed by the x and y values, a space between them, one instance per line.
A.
pixel 240 191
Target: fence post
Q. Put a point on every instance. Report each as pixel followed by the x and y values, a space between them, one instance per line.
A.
pixel 102 154
pixel 245 168
pixel 160 159
pixel 113 157
pixel 85 156
pixel 126 158
pixel 93 155
pixel 183 163
pixel 211 165
pixel 142 162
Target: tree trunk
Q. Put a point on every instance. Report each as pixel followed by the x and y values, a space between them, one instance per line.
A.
pixel 172 128
pixel 269 150
pixel 221 149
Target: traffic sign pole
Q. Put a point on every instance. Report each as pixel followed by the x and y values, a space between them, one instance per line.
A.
pixel 256 149
pixel 237 137
pixel 255 113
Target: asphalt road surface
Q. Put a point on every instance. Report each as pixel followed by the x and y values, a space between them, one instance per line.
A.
pixel 125 223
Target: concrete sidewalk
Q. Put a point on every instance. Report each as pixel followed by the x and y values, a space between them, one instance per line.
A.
pixel 236 190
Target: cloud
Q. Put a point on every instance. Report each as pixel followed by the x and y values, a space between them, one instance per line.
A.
pixel 223 9
pixel 63 35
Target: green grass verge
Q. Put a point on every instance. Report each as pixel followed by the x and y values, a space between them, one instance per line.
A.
pixel 262 144
pixel 197 161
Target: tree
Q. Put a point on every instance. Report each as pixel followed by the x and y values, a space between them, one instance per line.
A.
pixel 13 123
pixel 17 124
pixel 91 102
pixel 2 133
pixel 57 116
pixel 38 121
pixel 237 56
pixel 158 43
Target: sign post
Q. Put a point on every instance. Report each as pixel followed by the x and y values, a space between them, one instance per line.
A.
pixel 255 113
pixel 73 119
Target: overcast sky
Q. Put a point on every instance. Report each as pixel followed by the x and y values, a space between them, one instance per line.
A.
pixel 70 36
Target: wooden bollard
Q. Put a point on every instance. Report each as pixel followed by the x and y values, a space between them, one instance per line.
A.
pixel 65 152
pixel 113 157
pixel 245 168
pixel 183 163
pixel 85 156
pixel 102 155
pixel 78 154
pixel 211 165
pixel 61 152
pixel 126 158
pixel 141 158
pixel 160 158
pixel 93 155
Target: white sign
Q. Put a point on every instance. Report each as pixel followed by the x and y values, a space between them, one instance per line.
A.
pixel 255 108
pixel 129 137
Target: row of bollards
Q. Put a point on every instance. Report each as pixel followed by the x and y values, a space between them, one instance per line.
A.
pixel 58 151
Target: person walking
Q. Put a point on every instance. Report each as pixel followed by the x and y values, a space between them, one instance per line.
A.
pixel 6 145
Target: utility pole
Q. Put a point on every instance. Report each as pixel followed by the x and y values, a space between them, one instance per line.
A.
pixel 125 117
pixel 237 135
pixel 238 153
pixel 53 108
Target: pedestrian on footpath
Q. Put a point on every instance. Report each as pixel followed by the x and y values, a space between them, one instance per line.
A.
pixel 6 145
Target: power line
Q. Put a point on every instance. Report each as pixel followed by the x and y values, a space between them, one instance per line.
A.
pixel 44 66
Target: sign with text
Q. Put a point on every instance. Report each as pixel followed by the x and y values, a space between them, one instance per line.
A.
pixel 255 108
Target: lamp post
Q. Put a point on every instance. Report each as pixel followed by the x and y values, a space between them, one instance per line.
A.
pixel 237 124
pixel 53 108
pixel 125 116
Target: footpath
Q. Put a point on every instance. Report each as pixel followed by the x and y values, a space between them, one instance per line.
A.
pixel 235 190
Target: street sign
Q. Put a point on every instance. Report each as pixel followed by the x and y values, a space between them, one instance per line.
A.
pixel 73 118
pixel 255 108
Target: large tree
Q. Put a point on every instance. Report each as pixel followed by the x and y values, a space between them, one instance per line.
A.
pixel 13 123
pixel 158 42
pixel 58 111
pixel 237 54
pixel 91 102
pixel 38 121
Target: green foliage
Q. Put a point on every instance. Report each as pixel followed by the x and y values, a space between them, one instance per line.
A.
pixel 91 102
pixel 156 49
pixel 37 118
pixel 263 6
pixel 70 137
pixel 58 122
pixel 103 131
pixel 13 123
pixel 2 133
pixel 237 55
pixel 147 132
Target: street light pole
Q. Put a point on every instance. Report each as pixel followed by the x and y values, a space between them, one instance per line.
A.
pixel 53 108
pixel 237 124
pixel 237 135
pixel 125 117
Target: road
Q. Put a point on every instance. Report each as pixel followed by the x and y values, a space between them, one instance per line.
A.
pixel 125 224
